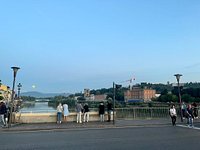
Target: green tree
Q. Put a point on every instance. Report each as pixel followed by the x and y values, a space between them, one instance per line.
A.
pixel 168 98
pixel 1 97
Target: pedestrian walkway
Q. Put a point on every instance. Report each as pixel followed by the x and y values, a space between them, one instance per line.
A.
pixel 94 124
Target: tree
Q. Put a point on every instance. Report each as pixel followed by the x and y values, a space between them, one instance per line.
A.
pixel 1 97
pixel 187 98
pixel 168 98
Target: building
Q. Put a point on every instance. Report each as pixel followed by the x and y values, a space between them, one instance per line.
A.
pixel 94 97
pixel 86 93
pixel 138 94
pixel 5 92
pixel 100 97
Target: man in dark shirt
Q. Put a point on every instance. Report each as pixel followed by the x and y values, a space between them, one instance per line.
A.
pixel 109 110
pixel 3 112
pixel 190 115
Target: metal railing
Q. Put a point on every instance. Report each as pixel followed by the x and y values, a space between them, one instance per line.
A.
pixel 142 112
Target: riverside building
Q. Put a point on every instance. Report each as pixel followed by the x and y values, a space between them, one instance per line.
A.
pixel 139 95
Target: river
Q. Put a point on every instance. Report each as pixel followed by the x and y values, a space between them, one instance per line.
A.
pixel 39 107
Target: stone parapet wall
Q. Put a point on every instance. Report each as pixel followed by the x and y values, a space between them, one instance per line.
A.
pixel 50 117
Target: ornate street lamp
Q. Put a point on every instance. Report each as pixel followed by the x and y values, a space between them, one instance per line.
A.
pixel 15 69
pixel 179 93
pixel 19 88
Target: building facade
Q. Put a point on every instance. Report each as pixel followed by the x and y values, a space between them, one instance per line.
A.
pixel 5 92
pixel 86 93
pixel 139 94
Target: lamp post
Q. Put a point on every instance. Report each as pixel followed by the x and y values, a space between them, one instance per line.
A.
pixel 179 93
pixel 15 69
pixel 115 87
pixel 19 88
pixel 114 91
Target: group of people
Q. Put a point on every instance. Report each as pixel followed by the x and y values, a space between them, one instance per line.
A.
pixel 83 110
pixel 102 111
pixel 63 109
pixel 190 112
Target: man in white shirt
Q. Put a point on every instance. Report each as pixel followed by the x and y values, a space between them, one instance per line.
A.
pixel 173 114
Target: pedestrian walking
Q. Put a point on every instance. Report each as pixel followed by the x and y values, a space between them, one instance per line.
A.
pixel 86 113
pixel 109 110
pixel 173 114
pixel 65 111
pixel 190 115
pixel 59 113
pixel 79 109
pixel 3 112
pixel 101 111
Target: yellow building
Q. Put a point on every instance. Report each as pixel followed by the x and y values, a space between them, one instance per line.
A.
pixel 5 92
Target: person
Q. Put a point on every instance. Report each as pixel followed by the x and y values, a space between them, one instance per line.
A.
pixel 190 115
pixel 65 112
pixel 183 109
pixel 59 113
pixel 86 113
pixel 3 112
pixel 79 109
pixel 195 108
pixel 173 114
pixel 109 110
pixel 101 111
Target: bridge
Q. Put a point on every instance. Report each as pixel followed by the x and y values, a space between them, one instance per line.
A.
pixel 42 100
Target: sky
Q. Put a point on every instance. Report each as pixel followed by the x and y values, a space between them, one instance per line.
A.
pixel 66 46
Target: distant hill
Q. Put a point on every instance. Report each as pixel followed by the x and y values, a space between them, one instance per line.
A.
pixel 43 95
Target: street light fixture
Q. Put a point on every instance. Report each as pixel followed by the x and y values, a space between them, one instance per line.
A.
pixel 15 69
pixel 19 88
pixel 179 93
pixel 114 92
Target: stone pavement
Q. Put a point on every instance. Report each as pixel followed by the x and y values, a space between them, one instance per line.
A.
pixel 92 124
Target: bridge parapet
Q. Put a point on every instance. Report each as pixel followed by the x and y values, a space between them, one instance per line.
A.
pixel 50 117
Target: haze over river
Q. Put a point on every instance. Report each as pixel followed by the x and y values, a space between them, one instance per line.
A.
pixel 38 107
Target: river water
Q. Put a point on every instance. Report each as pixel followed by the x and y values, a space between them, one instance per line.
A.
pixel 39 107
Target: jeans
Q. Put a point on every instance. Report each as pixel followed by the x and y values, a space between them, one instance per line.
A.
pixel 2 119
pixel 190 121
pixel 59 115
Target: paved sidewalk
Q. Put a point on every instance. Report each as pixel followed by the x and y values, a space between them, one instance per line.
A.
pixel 94 124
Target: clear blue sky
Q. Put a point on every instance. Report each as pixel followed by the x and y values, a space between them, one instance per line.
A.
pixel 66 46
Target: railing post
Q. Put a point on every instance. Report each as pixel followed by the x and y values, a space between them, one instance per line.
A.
pixel 151 115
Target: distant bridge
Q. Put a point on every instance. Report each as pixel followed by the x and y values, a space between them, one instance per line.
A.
pixel 42 100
